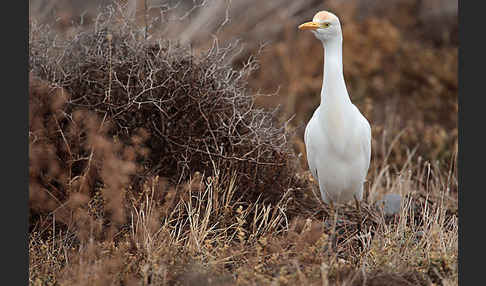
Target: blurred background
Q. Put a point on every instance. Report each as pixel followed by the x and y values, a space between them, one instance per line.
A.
pixel 399 56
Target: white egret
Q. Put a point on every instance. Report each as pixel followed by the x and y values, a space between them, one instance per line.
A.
pixel 338 136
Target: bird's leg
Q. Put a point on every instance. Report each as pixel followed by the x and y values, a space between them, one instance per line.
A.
pixel 331 207
pixel 334 216
pixel 358 206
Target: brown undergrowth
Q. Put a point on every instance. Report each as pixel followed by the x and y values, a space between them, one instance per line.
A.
pixel 152 165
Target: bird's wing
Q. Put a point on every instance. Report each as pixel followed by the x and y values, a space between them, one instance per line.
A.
pixel 309 148
pixel 366 135
pixel 366 145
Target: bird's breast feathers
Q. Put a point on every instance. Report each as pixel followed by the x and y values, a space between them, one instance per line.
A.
pixel 338 137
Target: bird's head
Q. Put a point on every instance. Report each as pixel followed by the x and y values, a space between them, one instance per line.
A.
pixel 325 26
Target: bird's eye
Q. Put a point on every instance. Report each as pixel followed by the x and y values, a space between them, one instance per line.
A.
pixel 325 25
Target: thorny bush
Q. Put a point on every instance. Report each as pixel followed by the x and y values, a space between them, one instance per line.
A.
pixel 109 110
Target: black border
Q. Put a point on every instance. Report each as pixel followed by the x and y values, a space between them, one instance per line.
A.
pixel 14 123
pixel 471 73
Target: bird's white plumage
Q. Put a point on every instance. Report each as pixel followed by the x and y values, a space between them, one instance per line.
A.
pixel 338 136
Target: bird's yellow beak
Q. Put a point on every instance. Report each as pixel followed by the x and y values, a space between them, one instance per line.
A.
pixel 309 26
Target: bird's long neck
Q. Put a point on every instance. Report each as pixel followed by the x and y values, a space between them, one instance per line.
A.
pixel 333 88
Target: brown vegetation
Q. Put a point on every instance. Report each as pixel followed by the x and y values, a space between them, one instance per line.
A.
pixel 151 164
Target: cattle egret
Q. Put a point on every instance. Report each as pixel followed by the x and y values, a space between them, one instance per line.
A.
pixel 338 136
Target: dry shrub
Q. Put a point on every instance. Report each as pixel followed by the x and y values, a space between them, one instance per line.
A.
pixel 75 168
pixel 196 110
pixel 44 106
pixel 110 113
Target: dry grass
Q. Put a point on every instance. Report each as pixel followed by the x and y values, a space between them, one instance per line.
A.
pixel 207 236
pixel 151 164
